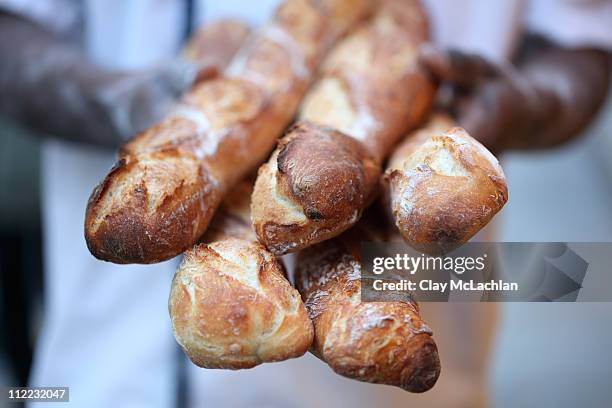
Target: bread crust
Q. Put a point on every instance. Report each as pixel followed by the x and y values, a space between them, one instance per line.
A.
pixel 442 187
pixel 131 231
pixel 369 88
pixel 318 180
pixel 215 44
pixel 377 342
pixel 231 305
pixel 158 200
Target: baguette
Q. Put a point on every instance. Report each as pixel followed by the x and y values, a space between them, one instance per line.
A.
pixel 377 342
pixel 442 186
pixel 161 195
pixel 230 303
pixel 319 180
pixel 214 45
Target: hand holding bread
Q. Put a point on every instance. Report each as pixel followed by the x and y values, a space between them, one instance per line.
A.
pixel 230 304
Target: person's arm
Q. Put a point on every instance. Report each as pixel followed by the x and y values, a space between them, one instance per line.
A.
pixel 546 98
pixel 49 85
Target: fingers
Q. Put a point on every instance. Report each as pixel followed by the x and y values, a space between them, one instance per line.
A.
pixel 496 114
pixel 479 93
pixel 455 67
pixel 477 120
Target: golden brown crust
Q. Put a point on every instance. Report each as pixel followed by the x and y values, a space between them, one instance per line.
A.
pixel 171 178
pixel 336 158
pixel 233 218
pixel 324 174
pixel 442 187
pixel 369 88
pixel 135 215
pixel 377 342
pixel 232 307
pixel 215 44
pixel 230 303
